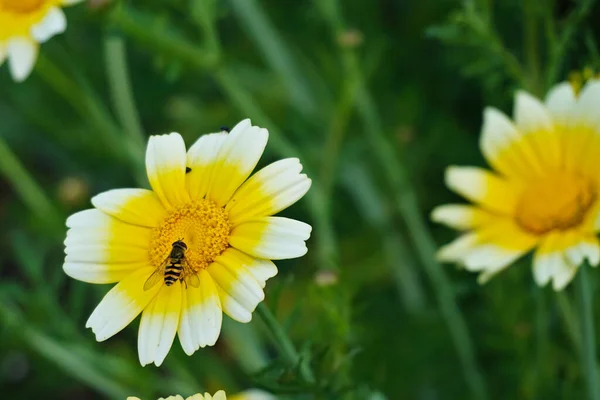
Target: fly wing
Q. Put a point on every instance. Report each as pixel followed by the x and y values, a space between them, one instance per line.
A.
pixel 157 276
pixel 190 275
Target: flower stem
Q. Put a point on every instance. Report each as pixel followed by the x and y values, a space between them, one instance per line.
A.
pixel 87 104
pixel 28 189
pixel 559 50
pixel 285 345
pixel 122 95
pixel 588 338
pixel 408 207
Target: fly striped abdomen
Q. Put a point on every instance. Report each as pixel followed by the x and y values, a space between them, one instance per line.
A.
pixel 173 273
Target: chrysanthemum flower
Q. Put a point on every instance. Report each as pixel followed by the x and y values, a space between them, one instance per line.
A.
pixel 252 394
pixel 220 395
pixel 23 25
pixel 203 199
pixel 543 194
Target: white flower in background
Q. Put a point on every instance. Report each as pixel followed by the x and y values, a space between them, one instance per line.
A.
pixel 24 24
pixel 252 394
pixel 543 194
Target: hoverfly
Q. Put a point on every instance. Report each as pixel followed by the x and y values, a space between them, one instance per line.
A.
pixel 173 268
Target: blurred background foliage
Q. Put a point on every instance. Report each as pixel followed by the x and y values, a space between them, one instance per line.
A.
pixel 376 98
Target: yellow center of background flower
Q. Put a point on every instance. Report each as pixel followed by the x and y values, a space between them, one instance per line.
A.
pixel 21 6
pixel 559 201
pixel 202 225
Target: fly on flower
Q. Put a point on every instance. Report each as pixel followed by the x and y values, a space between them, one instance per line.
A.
pixel 23 25
pixel 543 194
pixel 174 268
pixel 199 243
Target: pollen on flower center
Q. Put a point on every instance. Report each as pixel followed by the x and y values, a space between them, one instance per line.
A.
pixel 559 201
pixel 202 225
pixel 21 6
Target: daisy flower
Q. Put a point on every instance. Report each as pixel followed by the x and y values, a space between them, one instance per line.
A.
pixel 220 395
pixel 252 394
pixel 221 223
pixel 23 25
pixel 542 194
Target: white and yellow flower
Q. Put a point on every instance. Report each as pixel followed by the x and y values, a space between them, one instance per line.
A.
pixel 252 394
pixel 220 395
pixel 23 25
pixel 542 195
pixel 226 220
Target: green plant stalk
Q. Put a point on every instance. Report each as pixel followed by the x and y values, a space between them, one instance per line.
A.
pixel 61 355
pixel 407 206
pixel 426 249
pixel 395 243
pixel 203 12
pixel 66 87
pixel 571 322
pixel 588 336
pixel 142 27
pixel 89 107
pixel 28 189
pixel 275 53
pixel 482 26
pixel 532 49
pixel 543 363
pixel 284 344
pixel 335 136
pixel 559 49
pixel 115 57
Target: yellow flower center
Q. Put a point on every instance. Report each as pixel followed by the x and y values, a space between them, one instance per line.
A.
pixel 202 225
pixel 559 201
pixel 21 6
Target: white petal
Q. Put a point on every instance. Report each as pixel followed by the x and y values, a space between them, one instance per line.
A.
pixel 546 260
pixel 561 101
pixel 274 238
pixel 201 315
pixel 95 237
pixel 237 158
pixel 491 259
pixel 269 191
pixel 201 160
pixel 563 275
pixel 530 114
pixel 253 394
pixel 22 53
pixel 101 273
pixel 54 22
pixel 459 216
pixel 159 325
pixel 237 282
pixel 121 305
pixel 90 218
pixel 100 252
pixel 585 248
pixel 456 250
pixel 483 187
pixel 134 206
pixel 165 164
pixel 504 147
pixel 586 111
pixel 233 308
